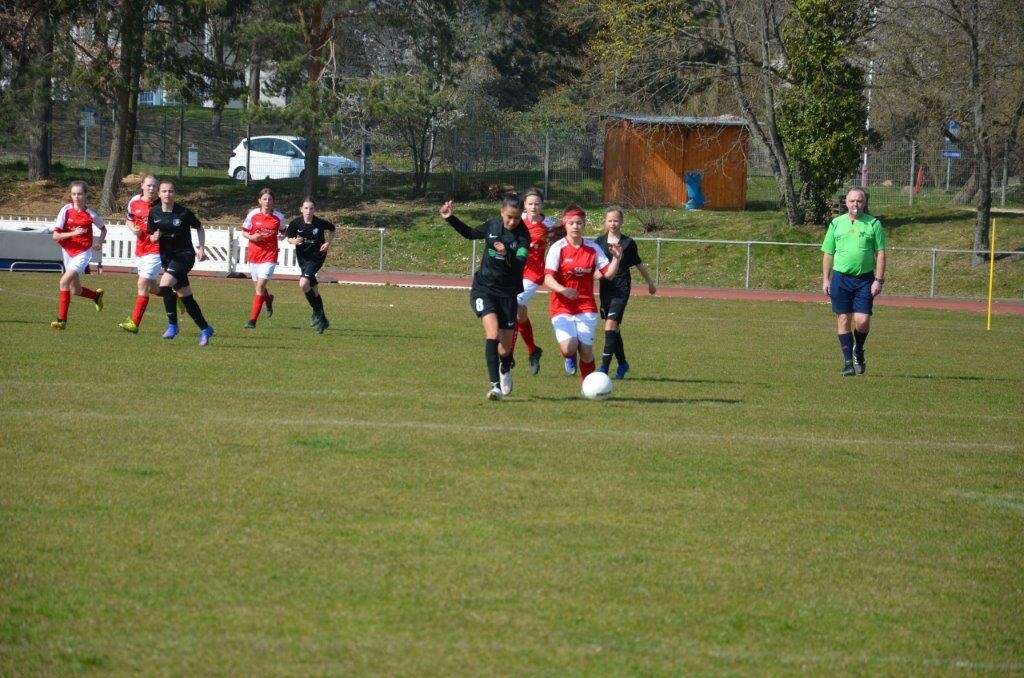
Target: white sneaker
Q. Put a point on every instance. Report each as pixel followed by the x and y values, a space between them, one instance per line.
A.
pixel 505 380
pixel 494 393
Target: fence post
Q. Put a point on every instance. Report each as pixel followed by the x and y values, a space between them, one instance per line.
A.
pixel 181 136
pixel 472 260
pixel 454 140
pixel 746 279
pixel 363 164
pixel 935 258
pixel 547 163
pixel 913 148
pixel 380 262
pixel 232 252
pixel 657 262
pixel 1002 199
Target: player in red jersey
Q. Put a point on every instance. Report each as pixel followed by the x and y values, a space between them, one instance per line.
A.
pixel 73 232
pixel 540 228
pixel 263 227
pixel 571 265
pixel 147 252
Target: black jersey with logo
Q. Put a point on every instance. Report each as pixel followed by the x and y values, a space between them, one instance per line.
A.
pixel 312 235
pixel 499 274
pixel 174 227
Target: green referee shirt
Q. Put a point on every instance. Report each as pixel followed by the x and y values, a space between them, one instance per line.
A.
pixel 854 243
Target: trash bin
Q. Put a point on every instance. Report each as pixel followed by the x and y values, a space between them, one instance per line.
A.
pixel 692 178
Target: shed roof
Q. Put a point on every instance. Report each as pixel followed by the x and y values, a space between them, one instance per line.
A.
pixel 685 120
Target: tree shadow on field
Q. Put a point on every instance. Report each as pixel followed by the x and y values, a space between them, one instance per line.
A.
pixel 679 380
pixel 953 377
pixel 646 401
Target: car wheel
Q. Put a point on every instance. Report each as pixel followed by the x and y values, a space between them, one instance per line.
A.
pixel 240 174
pixel 302 174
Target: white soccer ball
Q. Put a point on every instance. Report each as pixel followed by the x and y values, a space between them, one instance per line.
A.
pixel 597 386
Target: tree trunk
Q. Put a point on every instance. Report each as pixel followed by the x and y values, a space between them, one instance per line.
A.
pixel 312 175
pixel 255 63
pixel 215 119
pixel 981 138
pixel 766 130
pixel 39 134
pixel 126 89
pixel 113 176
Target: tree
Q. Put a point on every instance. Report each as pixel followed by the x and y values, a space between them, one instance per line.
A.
pixel 824 107
pixel 975 50
pixel 418 59
pixel 30 61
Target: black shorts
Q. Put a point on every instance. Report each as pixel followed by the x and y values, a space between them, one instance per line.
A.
pixel 308 266
pixel 179 266
pixel 505 308
pixel 613 306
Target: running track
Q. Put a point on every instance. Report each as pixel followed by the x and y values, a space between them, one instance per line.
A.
pixel 427 280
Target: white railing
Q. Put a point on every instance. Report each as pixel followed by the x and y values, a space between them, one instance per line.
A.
pixel 29 239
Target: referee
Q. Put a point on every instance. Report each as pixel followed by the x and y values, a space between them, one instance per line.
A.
pixel 852 275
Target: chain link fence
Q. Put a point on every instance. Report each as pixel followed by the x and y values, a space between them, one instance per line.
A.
pixel 471 163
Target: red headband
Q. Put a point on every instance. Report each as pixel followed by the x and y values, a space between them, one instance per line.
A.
pixel 574 212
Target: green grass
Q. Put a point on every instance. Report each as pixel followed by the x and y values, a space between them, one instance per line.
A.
pixel 283 503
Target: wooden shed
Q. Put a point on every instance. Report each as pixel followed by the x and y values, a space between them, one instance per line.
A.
pixel 646 159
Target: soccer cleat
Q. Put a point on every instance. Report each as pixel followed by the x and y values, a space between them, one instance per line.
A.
pixel 570 365
pixel 204 336
pixel 505 381
pixel 129 326
pixel 99 299
pixel 859 364
pixel 535 360
pixel 251 325
pixel 848 369
pixel 171 332
pixel 322 325
pixel 268 305
pixel 59 324
pixel 495 392
pixel 620 371
pixel 315 320
pixel 603 369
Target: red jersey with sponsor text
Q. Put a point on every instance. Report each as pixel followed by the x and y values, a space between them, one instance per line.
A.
pixel 539 230
pixel 270 226
pixel 68 220
pixel 574 268
pixel 138 214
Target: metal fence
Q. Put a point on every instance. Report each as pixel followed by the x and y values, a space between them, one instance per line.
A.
pixel 472 163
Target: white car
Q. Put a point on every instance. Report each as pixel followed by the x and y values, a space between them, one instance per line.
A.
pixel 282 157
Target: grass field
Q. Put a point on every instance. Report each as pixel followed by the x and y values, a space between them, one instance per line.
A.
pixel 286 503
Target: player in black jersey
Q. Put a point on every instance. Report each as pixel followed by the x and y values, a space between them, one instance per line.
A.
pixel 171 225
pixel 312 237
pixel 615 291
pixel 496 283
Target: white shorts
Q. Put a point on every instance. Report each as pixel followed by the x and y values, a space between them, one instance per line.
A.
pixel 580 327
pixel 264 271
pixel 78 263
pixel 149 266
pixel 529 289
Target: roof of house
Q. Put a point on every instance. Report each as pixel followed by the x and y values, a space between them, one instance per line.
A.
pixel 686 120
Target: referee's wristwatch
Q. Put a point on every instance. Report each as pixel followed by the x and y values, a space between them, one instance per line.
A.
pixel 880 281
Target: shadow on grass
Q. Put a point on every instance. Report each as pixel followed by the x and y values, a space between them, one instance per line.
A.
pixel 646 401
pixel 953 377
pixel 677 380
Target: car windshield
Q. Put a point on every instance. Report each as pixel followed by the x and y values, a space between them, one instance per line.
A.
pixel 301 143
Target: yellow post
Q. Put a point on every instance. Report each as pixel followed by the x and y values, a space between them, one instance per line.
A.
pixel 991 272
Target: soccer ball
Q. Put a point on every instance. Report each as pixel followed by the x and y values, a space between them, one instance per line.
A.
pixel 597 386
